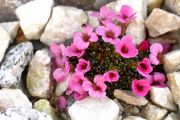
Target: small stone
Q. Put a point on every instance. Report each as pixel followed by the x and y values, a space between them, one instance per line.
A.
pixel 130 98
pixel 33 17
pixel 13 98
pixel 44 105
pixel 172 61
pixel 94 109
pixel 120 117
pixel 163 97
pixel 92 20
pixel 134 118
pixel 20 37
pixel 62 24
pixel 121 108
pixel 11 28
pixel 62 86
pixel 23 114
pixel 14 63
pixel 38 78
pixel 4 42
pixel 154 4
pixel 152 112
pixel 173 5
pixel 172 116
pixel 164 23
pixel 174 80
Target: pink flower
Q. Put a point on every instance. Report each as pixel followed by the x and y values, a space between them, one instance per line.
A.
pixel 81 40
pixel 83 66
pixel 144 45
pixel 75 84
pixel 111 76
pixel 144 67
pixel 57 50
pixel 126 14
pixel 81 96
pixel 109 32
pixel 158 79
pixel 62 102
pixel 105 14
pixel 166 48
pixel 74 51
pixel 96 89
pixel 156 49
pixel 140 87
pixel 61 73
pixel 126 48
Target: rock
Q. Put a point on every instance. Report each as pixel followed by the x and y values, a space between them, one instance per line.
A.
pixel 23 114
pixel 44 105
pixel 163 97
pixel 152 112
pixel 120 117
pixel 154 4
pixel 134 118
pixel 164 23
pixel 172 61
pixel 13 98
pixel 34 16
pixel 62 86
pixel 15 61
pixel 130 98
pixel 62 24
pixel 94 109
pixel 4 42
pixel 38 78
pixel 98 3
pixel 174 80
pixel 92 20
pixel 11 28
pixel 173 5
pixel 172 116
pixel 136 28
pixel 121 108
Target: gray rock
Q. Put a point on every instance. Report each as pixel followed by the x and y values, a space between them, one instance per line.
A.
pixel 163 97
pixel 13 98
pixel 130 98
pixel 38 78
pixel 23 114
pixel 15 61
pixel 62 24
pixel 152 112
pixel 173 5
pixel 134 118
pixel 154 4
pixel 172 61
pixel 172 116
pixel 164 23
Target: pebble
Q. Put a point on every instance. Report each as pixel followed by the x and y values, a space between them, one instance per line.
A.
pixel 173 6
pixel 172 116
pixel 134 118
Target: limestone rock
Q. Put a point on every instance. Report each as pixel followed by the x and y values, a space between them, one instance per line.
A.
pixel 173 5
pixel 172 116
pixel 33 17
pixel 154 4
pixel 15 61
pixel 134 118
pixel 152 112
pixel 13 98
pixel 92 20
pixel 38 78
pixel 172 61
pixel 164 23
pixel 163 97
pixel 62 24
pixel 94 109
pixel 130 98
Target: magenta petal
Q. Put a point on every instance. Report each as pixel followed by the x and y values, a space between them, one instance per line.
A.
pixel 159 77
pixel 77 35
pixel 58 75
pixel 88 29
pixel 78 96
pixel 93 37
pixel 83 66
pixel 55 50
pixel 95 14
pixel 62 102
pixel 80 43
pixel 111 76
pixel 87 85
pixel 156 48
pixel 99 78
pixel 154 60
pixel 100 30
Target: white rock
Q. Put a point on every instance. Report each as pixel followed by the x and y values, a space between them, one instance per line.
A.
pixel 33 17
pixel 15 61
pixel 92 20
pixel 130 98
pixel 160 22
pixel 4 42
pixel 172 61
pixel 152 112
pixel 13 98
pixel 62 86
pixel 11 28
pixel 174 80
pixel 163 97
pixel 38 78
pixel 94 109
pixel 173 5
pixel 23 114
pixel 136 28
pixel 134 118
pixel 120 117
pixel 62 24
pixel 172 116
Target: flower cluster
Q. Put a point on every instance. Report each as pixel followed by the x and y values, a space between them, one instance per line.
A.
pixel 104 58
